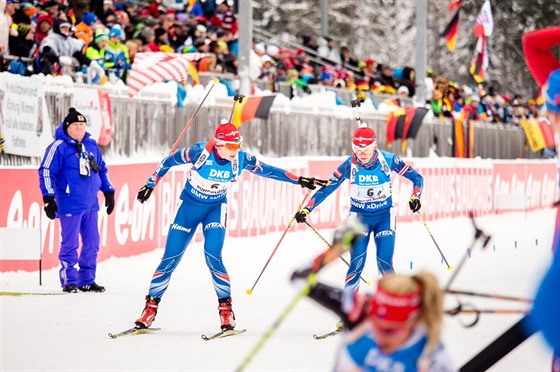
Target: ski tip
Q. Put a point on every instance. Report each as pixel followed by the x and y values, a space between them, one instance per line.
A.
pixel 249 292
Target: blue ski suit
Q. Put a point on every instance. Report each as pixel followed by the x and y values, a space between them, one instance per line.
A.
pixel 203 201
pixel 371 200
pixel 76 199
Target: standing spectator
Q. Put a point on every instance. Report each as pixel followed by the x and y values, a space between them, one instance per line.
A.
pixel 369 172
pixel 71 174
pixel 397 328
pixel 216 163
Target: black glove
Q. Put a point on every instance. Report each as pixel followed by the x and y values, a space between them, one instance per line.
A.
pixel 414 203
pixel 144 193
pixel 311 183
pixel 50 206
pixel 109 201
pixel 301 216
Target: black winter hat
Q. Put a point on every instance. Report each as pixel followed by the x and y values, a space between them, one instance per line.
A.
pixel 73 117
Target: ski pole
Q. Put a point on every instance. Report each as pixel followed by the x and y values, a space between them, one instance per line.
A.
pixel 329 245
pixel 356 103
pixel 274 327
pixel 486 295
pixel 236 98
pixel 250 291
pixel 174 147
pixel 477 235
pixel 449 268
pixel 343 243
pixel 192 117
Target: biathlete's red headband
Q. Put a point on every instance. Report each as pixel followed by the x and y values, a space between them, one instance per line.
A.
pixel 393 307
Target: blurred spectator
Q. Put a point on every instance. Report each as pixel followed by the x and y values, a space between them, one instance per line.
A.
pixel 148 37
pixel 408 80
pixel 116 54
pixel 51 7
pixel 96 50
pixel 7 10
pixel 22 42
pixel 84 30
pixel 440 105
pixel 162 40
pixel 45 23
pixel 177 35
pixel 58 44
pixel 345 58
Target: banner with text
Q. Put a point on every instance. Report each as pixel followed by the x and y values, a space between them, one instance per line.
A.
pixel 24 118
pixel 258 206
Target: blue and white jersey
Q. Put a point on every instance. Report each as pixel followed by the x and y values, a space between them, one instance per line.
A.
pixel 370 187
pixel 360 352
pixel 210 175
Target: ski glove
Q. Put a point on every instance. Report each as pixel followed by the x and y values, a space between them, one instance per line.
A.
pixel 144 193
pixel 109 201
pixel 414 203
pixel 301 216
pixel 50 206
pixel 311 183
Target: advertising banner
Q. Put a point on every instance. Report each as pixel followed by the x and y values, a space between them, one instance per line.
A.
pixel 24 118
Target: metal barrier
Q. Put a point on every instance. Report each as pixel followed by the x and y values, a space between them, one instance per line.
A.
pixel 144 126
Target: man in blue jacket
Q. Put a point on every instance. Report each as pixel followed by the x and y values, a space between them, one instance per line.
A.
pixel 70 175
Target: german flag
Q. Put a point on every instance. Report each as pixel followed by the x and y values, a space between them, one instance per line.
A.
pixel 539 133
pixel 455 4
pixel 404 124
pixel 252 107
pixel 450 32
pixel 458 136
pixel 480 61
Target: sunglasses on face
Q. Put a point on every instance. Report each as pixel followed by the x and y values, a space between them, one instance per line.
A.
pixel 363 150
pixel 233 146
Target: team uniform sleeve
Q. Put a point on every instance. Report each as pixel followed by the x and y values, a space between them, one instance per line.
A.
pixel 253 165
pixel 338 177
pixel 49 168
pixel 183 156
pixel 539 54
pixel 406 171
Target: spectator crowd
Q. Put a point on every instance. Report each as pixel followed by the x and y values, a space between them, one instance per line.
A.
pixel 103 36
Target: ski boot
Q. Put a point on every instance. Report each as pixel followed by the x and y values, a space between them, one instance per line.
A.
pixel 94 287
pixel 149 313
pixel 227 317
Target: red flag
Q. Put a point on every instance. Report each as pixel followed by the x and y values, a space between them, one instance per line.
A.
pixel 450 32
pixel 153 67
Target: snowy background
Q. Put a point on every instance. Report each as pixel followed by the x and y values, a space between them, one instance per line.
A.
pixel 69 332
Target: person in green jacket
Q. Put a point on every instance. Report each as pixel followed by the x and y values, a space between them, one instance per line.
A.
pixel 96 50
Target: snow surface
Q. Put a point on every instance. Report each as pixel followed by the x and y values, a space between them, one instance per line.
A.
pixel 69 332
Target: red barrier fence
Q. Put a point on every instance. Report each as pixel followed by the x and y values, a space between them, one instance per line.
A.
pixel 259 206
